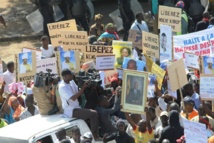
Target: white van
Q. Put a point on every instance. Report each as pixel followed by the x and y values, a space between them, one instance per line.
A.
pixel 37 128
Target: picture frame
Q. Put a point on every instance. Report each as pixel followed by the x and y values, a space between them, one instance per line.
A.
pixel 207 65
pixel 134 91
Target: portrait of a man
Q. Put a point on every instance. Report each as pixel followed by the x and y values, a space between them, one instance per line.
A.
pixel 67 60
pixel 124 52
pixel 163 43
pixel 132 64
pixel 25 62
pixel 209 67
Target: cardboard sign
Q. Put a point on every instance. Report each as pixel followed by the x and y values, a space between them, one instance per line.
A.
pixel 206 87
pixel 121 49
pixel 165 43
pixel 129 63
pixel 38 52
pixel 105 62
pixel 55 28
pixel 136 38
pixel 194 132
pixel 170 92
pixel 207 65
pixel 92 51
pixel 149 63
pixel 192 60
pixel 69 60
pixel 44 64
pixel 159 72
pixel 25 66
pixel 109 75
pixel 200 43
pixel 177 75
pixel 150 44
pixel 170 16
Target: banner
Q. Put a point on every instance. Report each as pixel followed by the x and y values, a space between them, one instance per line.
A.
pixel 121 49
pixel 207 65
pixel 136 38
pixel 92 51
pixel 159 72
pixel 170 16
pixel 150 44
pixel 44 64
pixel 25 66
pixel 192 60
pixel 177 75
pixel 38 52
pixel 55 28
pixel 105 62
pixel 199 43
pixel 165 43
pixel 194 132
pixel 207 87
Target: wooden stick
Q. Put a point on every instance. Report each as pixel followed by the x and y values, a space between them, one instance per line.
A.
pixel 181 95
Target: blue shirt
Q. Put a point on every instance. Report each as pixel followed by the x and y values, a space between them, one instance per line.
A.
pixel 196 99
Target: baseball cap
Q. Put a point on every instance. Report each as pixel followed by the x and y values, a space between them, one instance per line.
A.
pixel 164 113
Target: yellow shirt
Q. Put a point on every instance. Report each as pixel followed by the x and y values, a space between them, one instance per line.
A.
pixel 28 68
pixel 143 137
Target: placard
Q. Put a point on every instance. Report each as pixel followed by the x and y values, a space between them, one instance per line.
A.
pixel 206 87
pixel 150 44
pixel 92 51
pixel 86 66
pixel 170 16
pixel 165 43
pixel 207 65
pixel 200 43
pixel 105 62
pixel 149 63
pixel 69 60
pixel 159 72
pixel 38 52
pixel 170 92
pixel 44 64
pixel 136 38
pixel 55 28
pixel 121 49
pixel 192 60
pixel 177 75
pixel 25 66
pixel 129 63
pixel 194 132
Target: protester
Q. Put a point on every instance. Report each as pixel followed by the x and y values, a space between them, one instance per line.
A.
pixel 120 136
pixel 61 134
pixel 127 16
pixel 31 109
pixel 69 93
pixel 205 120
pixel 135 118
pixel 155 121
pixel 184 19
pixel 47 49
pixel 189 112
pixel 76 136
pixel 153 5
pixel 104 113
pixel 139 25
pixel 98 28
pixel 174 130
pixel 164 121
pixel 202 25
pixel 87 138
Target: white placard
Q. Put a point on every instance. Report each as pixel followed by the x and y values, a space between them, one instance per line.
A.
pixel 49 63
pixel 170 92
pixel 105 62
pixel 194 132
pixel 207 87
pixel 191 60
pixel 38 53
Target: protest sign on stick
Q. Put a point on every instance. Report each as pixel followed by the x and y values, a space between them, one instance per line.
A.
pixel 170 16
pixel 105 62
pixel 44 64
pixel 159 72
pixel 92 51
pixel 149 63
pixel 25 66
pixel 192 60
pixel 136 38
pixel 206 87
pixel 151 44
pixel 177 75
pixel 55 28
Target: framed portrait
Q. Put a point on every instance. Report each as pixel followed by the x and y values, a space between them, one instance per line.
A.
pixel 134 91
pixel 207 65
pixel 121 49
pixel 69 60
pixel 129 63
pixel 26 66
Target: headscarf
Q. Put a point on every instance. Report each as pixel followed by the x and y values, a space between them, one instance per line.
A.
pixel 174 119
pixel 180 4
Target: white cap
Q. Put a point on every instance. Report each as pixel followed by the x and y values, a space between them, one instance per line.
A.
pixel 88 135
pixel 25 56
pixel 210 60
pixel 67 54
pixel 164 113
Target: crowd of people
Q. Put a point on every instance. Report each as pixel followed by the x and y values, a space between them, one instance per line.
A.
pixel 164 115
